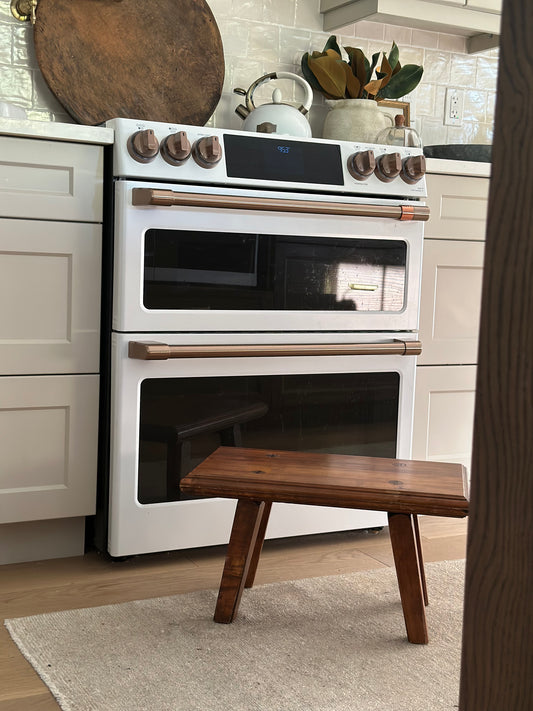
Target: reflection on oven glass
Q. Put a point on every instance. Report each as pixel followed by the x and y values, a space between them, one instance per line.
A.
pixel 219 270
pixel 183 420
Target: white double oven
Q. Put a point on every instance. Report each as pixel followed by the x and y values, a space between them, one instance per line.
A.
pixel 260 295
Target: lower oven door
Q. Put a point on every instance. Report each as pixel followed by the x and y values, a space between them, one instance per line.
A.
pixel 172 405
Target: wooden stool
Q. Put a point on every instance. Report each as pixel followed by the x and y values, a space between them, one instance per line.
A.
pixel 402 488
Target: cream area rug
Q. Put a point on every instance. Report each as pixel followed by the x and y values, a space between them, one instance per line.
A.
pixel 321 644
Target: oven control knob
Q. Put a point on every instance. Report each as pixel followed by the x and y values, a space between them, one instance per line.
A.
pixel 361 165
pixel 176 148
pixel 207 151
pixel 413 169
pixel 143 146
pixel 388 167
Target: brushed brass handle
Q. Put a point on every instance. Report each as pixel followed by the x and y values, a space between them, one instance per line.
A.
pixel 152 350
pixel 168 198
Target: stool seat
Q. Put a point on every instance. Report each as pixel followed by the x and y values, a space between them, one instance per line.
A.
pixel 403 488
pixel 379 484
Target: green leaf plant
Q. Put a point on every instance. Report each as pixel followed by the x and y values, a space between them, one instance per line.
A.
pixel 331 75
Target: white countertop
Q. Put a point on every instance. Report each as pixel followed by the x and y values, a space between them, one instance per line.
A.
pixel 74 132
pixel 458 167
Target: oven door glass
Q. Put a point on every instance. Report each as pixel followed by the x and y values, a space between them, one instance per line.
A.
pixel 183 420
pixel 188 269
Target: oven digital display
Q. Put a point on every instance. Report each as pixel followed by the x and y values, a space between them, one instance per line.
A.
pixel 283 159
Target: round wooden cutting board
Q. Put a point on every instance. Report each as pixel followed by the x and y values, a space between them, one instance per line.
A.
pixel 157 60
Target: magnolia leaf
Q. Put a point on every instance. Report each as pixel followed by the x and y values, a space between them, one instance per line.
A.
pixel 373 86
pixel 357 63
pixel 403 82
pixel 385 72
pixel 370 69
pixel 394 55
pixel 353 85
pixel 332 44
pixel 308 74
pixel 330 75
pixel 396 68
pixel 332 53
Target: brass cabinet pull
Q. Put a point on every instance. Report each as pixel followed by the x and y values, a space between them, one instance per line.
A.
pixel 152 350
pixel 152 196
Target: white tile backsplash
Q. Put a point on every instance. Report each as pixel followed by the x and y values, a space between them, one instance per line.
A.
pixel 261 36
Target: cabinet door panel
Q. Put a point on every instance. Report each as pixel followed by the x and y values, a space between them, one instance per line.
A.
pixel 450 301
pixel 444 413
pixel 50 297
pixel 458 207
pixel 48 430
pixel 50 180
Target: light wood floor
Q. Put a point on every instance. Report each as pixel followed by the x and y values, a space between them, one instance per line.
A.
pixel 91 580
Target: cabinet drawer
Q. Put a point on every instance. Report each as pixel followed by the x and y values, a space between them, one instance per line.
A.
pixel 49 297
pixel 450 301
pixel 50 180
pixel 48 430
pixel 444 413
pixel 458 207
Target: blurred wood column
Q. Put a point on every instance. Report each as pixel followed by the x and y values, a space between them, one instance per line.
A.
pixel 497 660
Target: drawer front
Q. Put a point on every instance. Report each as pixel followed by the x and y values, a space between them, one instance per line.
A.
pixel 450 301
pixel 458 207
pixel 50 297
pixel 50 180
pixel 48 430
pixel 444 413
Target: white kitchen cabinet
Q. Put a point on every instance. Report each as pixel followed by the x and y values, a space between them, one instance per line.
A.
pixel 474 19
pixel 444 413
pixel 450 306
pixel 458 206
pixel 51 197
pixel 48 427
pixel 50 296
pixel 50 180
pixel 450 301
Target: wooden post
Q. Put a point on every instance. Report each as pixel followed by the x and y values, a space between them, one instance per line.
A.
pixel 497 658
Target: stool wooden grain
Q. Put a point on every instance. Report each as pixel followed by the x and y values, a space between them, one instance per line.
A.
pixel 402 488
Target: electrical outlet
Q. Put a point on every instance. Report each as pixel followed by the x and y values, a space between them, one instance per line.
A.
pixel 454 107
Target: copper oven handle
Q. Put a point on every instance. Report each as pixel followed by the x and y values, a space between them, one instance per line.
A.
pixel 151 196
pixel 151 350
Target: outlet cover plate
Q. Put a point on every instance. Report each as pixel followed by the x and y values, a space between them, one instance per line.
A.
pixel 454 107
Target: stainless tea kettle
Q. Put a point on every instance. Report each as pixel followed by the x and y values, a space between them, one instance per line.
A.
pixel 276 117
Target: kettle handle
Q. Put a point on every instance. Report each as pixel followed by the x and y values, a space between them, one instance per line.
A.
pixel 304 108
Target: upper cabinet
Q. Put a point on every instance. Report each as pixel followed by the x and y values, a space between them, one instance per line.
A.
pixel 479 20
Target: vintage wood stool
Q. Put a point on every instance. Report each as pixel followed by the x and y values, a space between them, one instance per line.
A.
pixel 403 488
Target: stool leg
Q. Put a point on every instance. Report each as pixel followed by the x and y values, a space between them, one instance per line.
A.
pixel 407 564
pixel 258 545
pixel 420 559
pixel 246 524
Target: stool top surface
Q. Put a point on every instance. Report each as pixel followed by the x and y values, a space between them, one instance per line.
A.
pixel 394 485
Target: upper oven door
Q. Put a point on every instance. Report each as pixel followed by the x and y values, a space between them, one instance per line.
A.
pixel 201 260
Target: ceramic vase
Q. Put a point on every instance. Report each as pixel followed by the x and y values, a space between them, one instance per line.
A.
pixel 354 120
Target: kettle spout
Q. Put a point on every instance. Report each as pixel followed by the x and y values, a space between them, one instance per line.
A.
pixel 242 111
